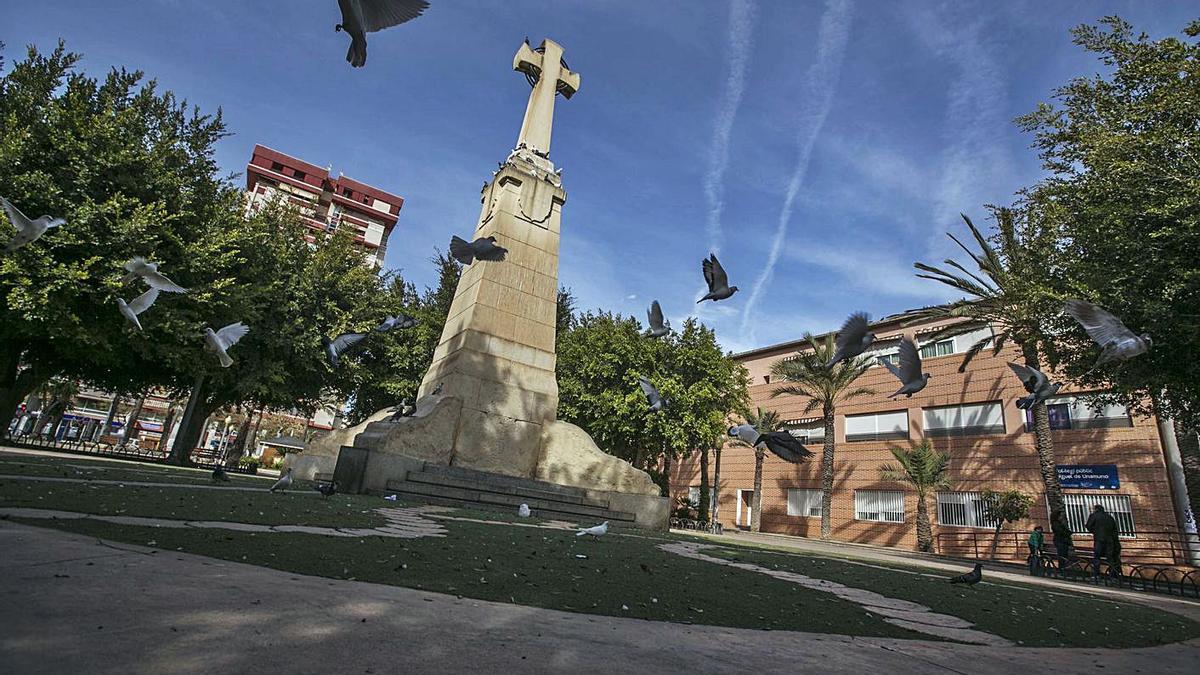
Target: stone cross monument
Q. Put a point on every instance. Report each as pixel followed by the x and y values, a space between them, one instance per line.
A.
pixel 489 399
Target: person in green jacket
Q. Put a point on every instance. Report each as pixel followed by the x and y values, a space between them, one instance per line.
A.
pixel 1037 539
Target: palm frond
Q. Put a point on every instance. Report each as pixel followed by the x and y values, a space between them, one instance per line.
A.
pixel 995 266
pixel 972 352
pixel 979 280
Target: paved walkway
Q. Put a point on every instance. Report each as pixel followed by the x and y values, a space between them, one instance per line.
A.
pixel 992 572
pixel 75 604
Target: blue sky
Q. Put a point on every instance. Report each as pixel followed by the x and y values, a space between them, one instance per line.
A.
pixel 819 147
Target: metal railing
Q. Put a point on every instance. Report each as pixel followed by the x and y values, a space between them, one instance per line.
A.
pixel 1172 580
pixel 123 450
pixel 1155 547
pixel 697 525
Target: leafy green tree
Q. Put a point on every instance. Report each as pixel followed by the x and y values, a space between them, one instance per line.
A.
pixel 825 388
pixel 1121 150
pixel 1004 507
pixel 1011 294
pixel 925 469
pixel 763 421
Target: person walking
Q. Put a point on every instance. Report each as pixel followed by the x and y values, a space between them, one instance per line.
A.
pixel 1104 540
pixel 1037 539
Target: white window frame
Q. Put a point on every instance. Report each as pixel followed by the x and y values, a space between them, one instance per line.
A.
pixel 1087 420
pixel 877 435
pixel 867 502
pixel 972 507
pixel 933 347
pixel 932 431
pixel 1079 507
pixel 802 431
pixel 803 502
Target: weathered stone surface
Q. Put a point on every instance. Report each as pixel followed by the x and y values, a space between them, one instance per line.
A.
pixel 427 434
pixel 570 457
pixel 495 443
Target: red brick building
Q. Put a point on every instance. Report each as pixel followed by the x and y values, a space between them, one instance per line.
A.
pixel 1104 456
pixel 326 203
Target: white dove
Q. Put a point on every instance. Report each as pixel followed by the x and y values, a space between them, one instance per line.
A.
pixel 222 340
pixel 284 482
pixel 141 303
pixel 148 272
pixel 28 231
pixel 523 511
pixel 597 531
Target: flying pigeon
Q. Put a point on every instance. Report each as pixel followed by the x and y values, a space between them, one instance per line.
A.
pixel 717 280
pixel 138 305
pixel 336 347
pixel 656 401
pixel 1117 342
pixel 220 341
pixel 392 322
pixel 909 371
pixel 970 578
pixel 523 510
pixel 658 325
pixel 360 17
pixel 284 482
pixel 148 272
pixel 484 248
pixel 1036 383
pixel 219 474
pixel 597 531
pixel 853 339
pixel 327 490
pixel 781 444
pixel 28 231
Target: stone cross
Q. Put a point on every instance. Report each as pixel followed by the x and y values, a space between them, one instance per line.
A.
pixel 550 76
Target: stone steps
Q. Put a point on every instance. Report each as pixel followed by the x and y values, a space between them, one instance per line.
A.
pixel 503 493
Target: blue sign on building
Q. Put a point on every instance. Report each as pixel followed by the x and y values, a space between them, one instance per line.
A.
pixel 1089 476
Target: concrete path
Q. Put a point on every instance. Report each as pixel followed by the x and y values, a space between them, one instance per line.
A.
pixel 70 603
pixel 863 554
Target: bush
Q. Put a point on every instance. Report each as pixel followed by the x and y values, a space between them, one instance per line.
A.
pixel 249 463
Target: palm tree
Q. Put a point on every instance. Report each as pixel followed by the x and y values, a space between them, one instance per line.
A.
pixel 1010 295
pixel 925 470
pixel 763 421
pixel 825 389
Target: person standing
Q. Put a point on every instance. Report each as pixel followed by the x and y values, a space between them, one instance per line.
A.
pixel 1037 539
pixel 1104 540
pixel 1062 540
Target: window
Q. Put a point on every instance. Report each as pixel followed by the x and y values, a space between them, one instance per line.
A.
pixel 802 502
pixel 962 509
pixel 276 167
pixel 877 426
pixel 766 379
pixel 1079 507
pixel 884 506
pixel 807 432
pixel 300 175
pixel 1076 412
pixel 975 419
pixel 888 352
pixel 939 348
pixel 347 192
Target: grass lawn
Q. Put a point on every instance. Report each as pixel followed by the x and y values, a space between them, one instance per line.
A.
pixel 80 466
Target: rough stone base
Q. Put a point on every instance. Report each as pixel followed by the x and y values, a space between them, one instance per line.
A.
pixel 571 457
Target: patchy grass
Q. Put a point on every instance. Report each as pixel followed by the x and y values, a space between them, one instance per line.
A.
pixel 87 468
pixel 186 503
pixel 1034 616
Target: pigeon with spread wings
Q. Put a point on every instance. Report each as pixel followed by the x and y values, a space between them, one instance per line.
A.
pixel 1036 383
pixel 360 17
pixel 1117 343
pixel 908 372
pixel 717 280
pixel 28 231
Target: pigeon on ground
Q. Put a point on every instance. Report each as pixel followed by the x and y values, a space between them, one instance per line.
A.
pixel 336 347
pixel 523 510
pixel 28 231
pixel 390 498
pixel 909 371
pixel 141 303
pixel 220 341
pixel 781 443
pixel 219 475
pixel 284 482
pixel 658 325
pixel 327 489
pixel 1117 342
pixel 717 280
pixel 970 578
pixel 597 531
pixel 137 267
pixel 853 339
pixel 484 248
pixel 393 322
pixel 656 401
pixel 360 17
pixel 1036 383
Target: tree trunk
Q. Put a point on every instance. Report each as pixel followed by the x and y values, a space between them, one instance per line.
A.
pixel 235 451
pixel 1045 451
pixel 165 436
pixel 995 539
pixel 108 418
pixel 702 508
pixel 12 393
pixel 827 474
pixel 756 501
pixel 195 414
pixel 131 429
pixel 924 530
pixel 666 471
pixel 716 491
